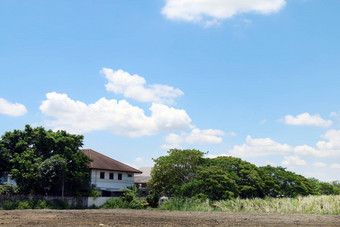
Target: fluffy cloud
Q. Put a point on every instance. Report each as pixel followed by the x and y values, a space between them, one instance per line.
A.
pixel 307 119
pixel 319 164
pixel 211 11
pixel 119 117
pixel 293 161
pixel 212 136
pixel 329 148
pixel 335 166
pixel 12 109
pixel 259 147
pixel 135 87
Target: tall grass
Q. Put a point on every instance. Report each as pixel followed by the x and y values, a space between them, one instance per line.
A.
pixel 329 204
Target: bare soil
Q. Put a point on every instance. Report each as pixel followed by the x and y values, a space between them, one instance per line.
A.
pixel 120 217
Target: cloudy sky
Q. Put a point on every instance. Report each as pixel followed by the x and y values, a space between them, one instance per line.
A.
pixel 255 79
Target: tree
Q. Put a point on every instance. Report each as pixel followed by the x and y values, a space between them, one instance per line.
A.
pixel 286 183
pixel 177 168
pixel 4 160
pixel 52 173
pixel 25 171
pixel 28 149
pixel 210 182
pixel 248 178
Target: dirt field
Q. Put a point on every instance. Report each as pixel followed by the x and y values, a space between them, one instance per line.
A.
pixel 156 218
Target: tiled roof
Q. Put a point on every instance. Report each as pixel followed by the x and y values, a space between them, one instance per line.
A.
pixel 102 162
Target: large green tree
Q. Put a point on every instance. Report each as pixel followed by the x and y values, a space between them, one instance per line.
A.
pixel 177 168
pixel 286 183
pixel 27 152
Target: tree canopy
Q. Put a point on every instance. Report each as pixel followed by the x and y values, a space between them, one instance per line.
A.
pixel 39 160
pixel 188 173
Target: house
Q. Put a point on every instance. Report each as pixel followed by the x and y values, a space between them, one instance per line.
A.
pixel 109 176
pixel 141 179
pixel 6 178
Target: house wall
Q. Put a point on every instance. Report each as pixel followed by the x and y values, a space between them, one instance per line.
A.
pixel 7 178
pixel 108 183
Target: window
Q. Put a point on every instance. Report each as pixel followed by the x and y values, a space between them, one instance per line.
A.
pixel 119 176
pixel 111 176
pixel 102 175
pixel 129 175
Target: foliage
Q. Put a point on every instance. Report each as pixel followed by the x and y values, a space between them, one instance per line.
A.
pixel 34 154
pixel 94 193
pixel 152 198
pixel 116 203
pixel 186 173
pixel 129 199
pixel 8 189
pixel 52 172
pixel 323 188
pixel 209 182
pixel 175 169
pixel 286 183
pixel 9 205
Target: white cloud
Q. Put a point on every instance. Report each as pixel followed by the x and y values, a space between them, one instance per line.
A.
pixel 330 148
pixel 12 109
pixel 335 166
pixel 319 164
pixel 138 159
pixel 119 117
pixel 211 136
pixel 305 150
pixel 171 146
pixel 307 119
pixel 135 87
pixel 293 161
pixel 333 114
pixel 212 11
pixel 259 147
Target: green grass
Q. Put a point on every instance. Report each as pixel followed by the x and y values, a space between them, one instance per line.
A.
pixel 329 204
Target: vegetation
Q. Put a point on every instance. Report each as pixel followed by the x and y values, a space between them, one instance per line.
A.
pixel 129 199
pixel 8 189
pixel 42 161
pixel 300 205
pixel 186 173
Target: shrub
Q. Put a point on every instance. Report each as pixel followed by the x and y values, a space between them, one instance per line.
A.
pixel 24 205
pixel 94 193
pixel 115 203
pixel 10 205
pixel 8 189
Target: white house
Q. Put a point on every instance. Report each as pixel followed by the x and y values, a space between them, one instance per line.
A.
pixel 6 178
pixel 109 175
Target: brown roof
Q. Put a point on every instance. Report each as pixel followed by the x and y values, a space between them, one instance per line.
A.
pixel 102 162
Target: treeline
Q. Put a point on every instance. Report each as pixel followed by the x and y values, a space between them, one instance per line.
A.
pixel 43 162
pixel 186 173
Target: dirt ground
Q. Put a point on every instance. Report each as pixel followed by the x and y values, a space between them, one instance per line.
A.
pixel 157 218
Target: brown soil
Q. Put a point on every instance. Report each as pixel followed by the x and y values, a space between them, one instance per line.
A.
pixel 157 218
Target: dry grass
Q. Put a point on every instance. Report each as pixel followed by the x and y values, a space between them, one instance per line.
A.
pixel 325 204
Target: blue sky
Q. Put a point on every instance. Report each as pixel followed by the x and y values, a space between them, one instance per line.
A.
pixel 255 79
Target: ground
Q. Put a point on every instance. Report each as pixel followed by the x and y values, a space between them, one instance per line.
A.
pixel 120 217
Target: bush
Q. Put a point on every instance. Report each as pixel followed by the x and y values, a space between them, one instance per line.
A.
pixel 24 205
pixel 94 193
pixel 10 205
pixel 128 199
pixel 8 189
pixel 38 204
pixel 115 203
